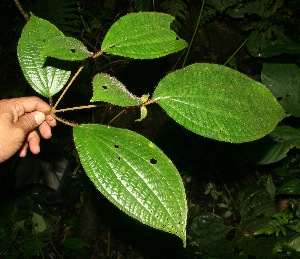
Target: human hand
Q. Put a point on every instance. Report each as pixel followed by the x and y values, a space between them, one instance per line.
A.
pixel 18 119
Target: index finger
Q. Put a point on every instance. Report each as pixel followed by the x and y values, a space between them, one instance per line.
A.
pixel 30 104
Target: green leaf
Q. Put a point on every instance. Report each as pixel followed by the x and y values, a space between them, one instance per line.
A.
pixel 279 49
pixel 46 76
pixel 109 89
pixel 270 187
pixel 291 187
pixel 261 39
pixel 135 175
pixel 273 147
pixel 209 232
pixel 217 102
pixel 256 207
pixel 66 48
pixel 75 244
pixel 208 228
pixel 262 8
pixel 38 223
pixel 283 80
pixel 295 243
pixel 143 35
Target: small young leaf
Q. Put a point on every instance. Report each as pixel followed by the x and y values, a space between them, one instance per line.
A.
pixel 66 48
pixel 135 175
pixel 109 89
pixel 47 77
pixel 217 102
pixel 143 35
pixel 143 113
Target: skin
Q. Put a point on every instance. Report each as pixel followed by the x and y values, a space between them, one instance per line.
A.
pixel 19 117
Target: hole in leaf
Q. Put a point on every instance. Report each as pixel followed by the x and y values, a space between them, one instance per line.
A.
pixel 119 158
pixel 73 50
pixel 279 98
pixel 153 161
pixel 116 146
pixel 104 87
pixel 177 38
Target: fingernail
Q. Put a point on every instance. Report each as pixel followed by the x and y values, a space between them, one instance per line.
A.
pixel 39 117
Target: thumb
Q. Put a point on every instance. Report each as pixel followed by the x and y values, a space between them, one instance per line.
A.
pixel 30 121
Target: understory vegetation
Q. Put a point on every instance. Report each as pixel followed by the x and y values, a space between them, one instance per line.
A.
pixel 240 190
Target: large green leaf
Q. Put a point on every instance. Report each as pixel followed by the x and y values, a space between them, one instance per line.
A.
pixel 217 102
pixel 46 76
pixel 66 48
pixel 262 39
pixel 135 175
pixel 273 147
pixel 279 49
pixel 283 80
pixel 256 207
pixel 143 35
pixel 109 89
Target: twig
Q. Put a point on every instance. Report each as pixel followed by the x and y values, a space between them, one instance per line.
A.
pixel 59 255
pixel 22 11
pixel 235 52
pixel 72 124
pixel 97 54
pixel 67 87
pixel 78 108
pixel 194 34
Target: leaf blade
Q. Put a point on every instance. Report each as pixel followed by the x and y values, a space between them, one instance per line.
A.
pixel 46 79
pixel 65 48
pixel 109 89
pixel 273 147
pixel 134 175
pixel 143 35
pixel 283 80
pixel 217 102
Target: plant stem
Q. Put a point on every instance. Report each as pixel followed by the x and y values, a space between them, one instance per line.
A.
pixel 149 102
pixel 22 11
pixel 72 124
pixel 235 52
pixel 67 87
pixel 194 34
pixel 97 54
pixel 78 108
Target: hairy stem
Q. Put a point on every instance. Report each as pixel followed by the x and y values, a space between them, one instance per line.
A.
pixel 97 54
pixel 72 124
pixel 150 101
pixel 67 87
pixel 77 108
